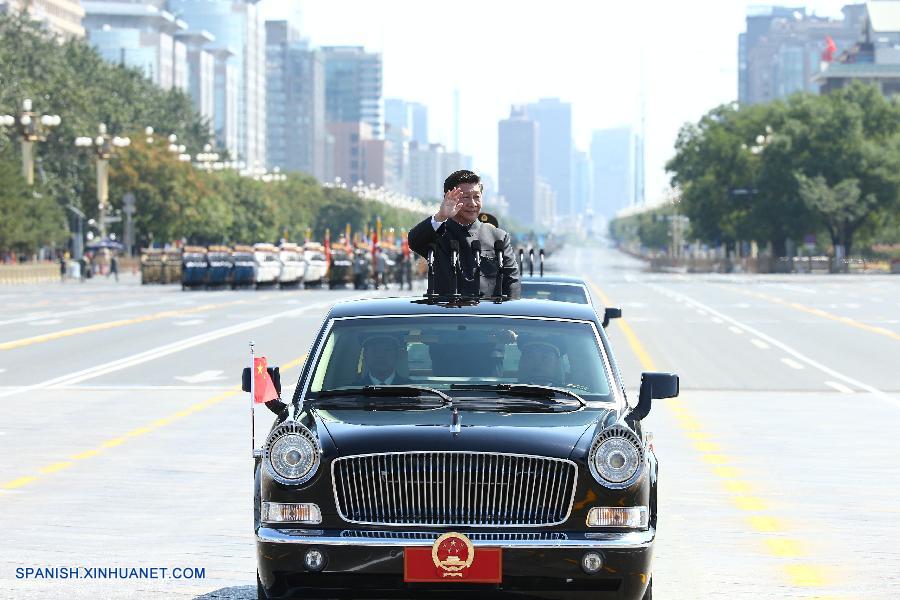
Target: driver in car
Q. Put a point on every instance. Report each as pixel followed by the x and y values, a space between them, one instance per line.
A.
pixel 541 364
pixel 381 357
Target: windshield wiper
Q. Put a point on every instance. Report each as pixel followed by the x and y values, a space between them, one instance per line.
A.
pixel 519 389
pixel 387 391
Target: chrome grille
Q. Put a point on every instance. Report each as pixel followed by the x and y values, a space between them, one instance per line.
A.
pixel 541 536
pixel 453 488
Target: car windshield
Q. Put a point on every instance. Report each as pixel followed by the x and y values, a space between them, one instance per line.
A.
pixel 443 352
pixel 559 292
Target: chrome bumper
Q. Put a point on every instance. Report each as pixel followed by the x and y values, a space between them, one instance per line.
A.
pixel 314 537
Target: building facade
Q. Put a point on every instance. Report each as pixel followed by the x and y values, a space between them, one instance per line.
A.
pixel 353 83
pixel 295 101
pixel 426 176
pixel 554 119
pixel 518 164
pixel 200 65
pixel 238 26
pixel 358 156
pixel 60 17
pixel 139 35
pixel 613 164
pixel 781 51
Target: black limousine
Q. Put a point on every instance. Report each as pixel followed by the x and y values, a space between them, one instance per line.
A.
pixel 443 448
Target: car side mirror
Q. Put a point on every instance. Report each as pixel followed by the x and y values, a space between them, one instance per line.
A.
pixel 610 314
pixel 654 386
pixel 276 406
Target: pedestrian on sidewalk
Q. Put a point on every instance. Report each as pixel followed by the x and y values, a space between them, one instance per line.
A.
pixel 113 267
pixel 62 268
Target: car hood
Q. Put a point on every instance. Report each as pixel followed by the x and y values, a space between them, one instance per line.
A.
pixel 540 433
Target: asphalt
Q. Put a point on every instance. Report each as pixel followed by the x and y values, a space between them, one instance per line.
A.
pixel 123 440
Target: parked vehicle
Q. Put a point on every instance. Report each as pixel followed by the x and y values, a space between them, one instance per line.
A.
pixel 244 267
pixel 268 267
pixel 340 270
pixel 172 267
pixel 151 265
pixel 293 267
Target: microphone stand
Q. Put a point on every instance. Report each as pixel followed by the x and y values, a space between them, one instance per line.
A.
pixel 498 285
pixel 476 256
pixel 531 262
pixel 542 261
pixel 429 293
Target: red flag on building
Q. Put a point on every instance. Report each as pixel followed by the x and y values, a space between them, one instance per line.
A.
pixel 830 49
pixel 263 387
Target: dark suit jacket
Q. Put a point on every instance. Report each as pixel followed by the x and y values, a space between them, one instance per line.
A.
pixel 423 234
pixel 363 380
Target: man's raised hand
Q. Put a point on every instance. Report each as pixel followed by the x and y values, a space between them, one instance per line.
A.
pixel 451 205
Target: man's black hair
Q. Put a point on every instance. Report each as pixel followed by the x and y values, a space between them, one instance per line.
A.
pixel 463 176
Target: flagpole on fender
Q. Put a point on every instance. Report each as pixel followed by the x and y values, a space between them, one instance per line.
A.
pixel 252 399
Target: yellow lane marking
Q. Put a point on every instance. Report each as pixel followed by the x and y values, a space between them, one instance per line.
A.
pixel 137 432
pixel 47 337
pixel 740 491
pixel 821 313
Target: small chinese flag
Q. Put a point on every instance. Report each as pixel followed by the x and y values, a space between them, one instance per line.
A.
pixel 263 388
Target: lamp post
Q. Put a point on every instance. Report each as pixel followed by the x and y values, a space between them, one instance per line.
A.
pixel 32 127
pixel 105 146
pixel 207 158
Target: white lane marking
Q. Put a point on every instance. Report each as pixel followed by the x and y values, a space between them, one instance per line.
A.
pixel 188 322
pixel 159 352
pixel 702 313
pixel 202 377
pixel 46 322
pixel 839 387
pixel 801 357
pixel 792 363
pixel 759 344
pixel 736 330
pixel 717 320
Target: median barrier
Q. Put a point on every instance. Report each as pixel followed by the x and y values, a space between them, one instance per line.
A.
pixel 28 273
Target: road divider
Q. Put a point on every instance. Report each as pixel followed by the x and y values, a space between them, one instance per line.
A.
pixel 741 492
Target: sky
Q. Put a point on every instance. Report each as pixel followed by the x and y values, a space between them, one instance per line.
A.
pixel 596 55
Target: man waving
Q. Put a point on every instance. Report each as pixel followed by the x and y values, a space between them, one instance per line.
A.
pixel 457 221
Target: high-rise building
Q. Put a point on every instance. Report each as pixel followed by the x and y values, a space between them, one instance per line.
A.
pixel 582 182
pixel 200 67
pixel 139 35
pixel 426 176
pixel 353 79
pixel 238 25
pixel 60 17
pixel 295 101
pixel 613 154
pixel 554 119
pixel 518 164
pixel 781 51
pixel 455 161
pixel 397 149
pixel 545 204
pixel 226 91
pixel 358 156
pixel 412 116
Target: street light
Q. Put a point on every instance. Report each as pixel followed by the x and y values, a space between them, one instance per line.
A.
pixel 32 128
pixel 105 147
pixel 206 158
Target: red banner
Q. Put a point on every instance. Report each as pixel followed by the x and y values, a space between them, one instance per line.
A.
pixel 451 559
pixel 263 388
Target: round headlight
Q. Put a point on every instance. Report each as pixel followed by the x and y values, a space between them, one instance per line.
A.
pixel 293 454
pixel 616 457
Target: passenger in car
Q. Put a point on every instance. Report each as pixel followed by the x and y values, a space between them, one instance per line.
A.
pixel 541 364
pixel 381 362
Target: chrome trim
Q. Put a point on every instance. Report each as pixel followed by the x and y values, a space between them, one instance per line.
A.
pixel 615 390
pixel 617 430
pixel 424 508
pixel 612 540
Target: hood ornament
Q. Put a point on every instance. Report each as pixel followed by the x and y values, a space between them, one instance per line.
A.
pixel 455 419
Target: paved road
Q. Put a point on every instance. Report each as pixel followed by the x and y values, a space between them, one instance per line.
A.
pixel 124 443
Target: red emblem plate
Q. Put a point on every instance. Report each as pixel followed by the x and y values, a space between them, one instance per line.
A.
pixel 452 558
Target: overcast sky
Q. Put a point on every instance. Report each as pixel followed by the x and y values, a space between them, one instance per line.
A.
pixel 586 52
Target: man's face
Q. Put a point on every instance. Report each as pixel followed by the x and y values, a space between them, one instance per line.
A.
pixel 381 358
pixel 539 360
pixel 471 199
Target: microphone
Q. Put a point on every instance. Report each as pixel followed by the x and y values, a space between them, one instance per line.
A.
pixel 429 293
pixel 498 254
pixel 542 262
pixel 521 259
pixel 531 262
pixel 476 255
pixel 454 266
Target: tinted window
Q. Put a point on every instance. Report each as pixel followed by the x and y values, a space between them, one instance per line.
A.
pixel 555 291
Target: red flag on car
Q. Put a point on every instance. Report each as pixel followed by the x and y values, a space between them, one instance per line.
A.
pixel 263 387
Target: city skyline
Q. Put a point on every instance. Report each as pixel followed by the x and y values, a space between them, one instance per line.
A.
pixel 675 48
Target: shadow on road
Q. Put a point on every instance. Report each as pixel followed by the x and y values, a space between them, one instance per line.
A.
pixel 238 592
